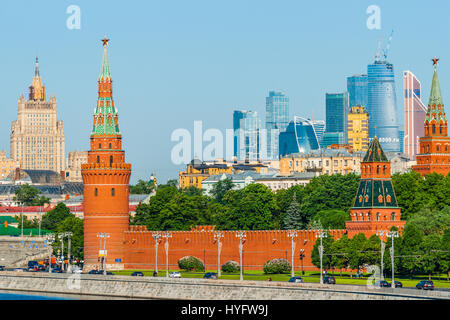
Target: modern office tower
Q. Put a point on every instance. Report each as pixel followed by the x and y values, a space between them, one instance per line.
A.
pixel 300 137
pixel 434 154
pixel 336 113
pixel 357 90
pixel 401 136
pixel 319 128
pixel 358 128
pixel 277 119
pixel 415 112
pixel 382 105
pixel 330 138
pixel 37 137
pixel 246 127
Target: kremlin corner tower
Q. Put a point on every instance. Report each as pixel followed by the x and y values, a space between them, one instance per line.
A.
pixel 106 179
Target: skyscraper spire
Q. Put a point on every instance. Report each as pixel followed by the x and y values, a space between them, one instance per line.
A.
pixel 36 68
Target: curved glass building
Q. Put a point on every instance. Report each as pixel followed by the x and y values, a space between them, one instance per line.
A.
pixel 300 137
pixel 382 105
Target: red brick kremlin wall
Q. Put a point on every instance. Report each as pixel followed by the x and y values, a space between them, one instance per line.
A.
pixel 259 247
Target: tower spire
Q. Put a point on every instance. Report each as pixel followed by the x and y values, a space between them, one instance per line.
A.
pixel 105 72
pixel 36 68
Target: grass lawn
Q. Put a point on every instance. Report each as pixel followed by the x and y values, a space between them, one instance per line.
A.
pixel 310 276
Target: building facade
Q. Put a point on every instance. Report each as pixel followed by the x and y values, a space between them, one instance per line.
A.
pixel 336 113
pixel 324 161
pixel 375 207
pixel 357 90
pixel 277 119
pixel 415 112
pixel 434 153
pixel 7 165
pixel 246 128
pixel 300 137
pixel 37 136
pixel 382 105
pixel 106 178
pixel 358 128
pixel 73 168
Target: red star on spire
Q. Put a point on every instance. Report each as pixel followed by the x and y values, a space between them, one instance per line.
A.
pixel 105 41
pixel 435 62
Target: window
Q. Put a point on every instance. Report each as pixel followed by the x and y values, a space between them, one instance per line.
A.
pixel 378 216
pixel 393 216
pixel 96 192
pixel 110 146
pixel 113 192
pixel 99 145
pixel 98 159
pixel 110 159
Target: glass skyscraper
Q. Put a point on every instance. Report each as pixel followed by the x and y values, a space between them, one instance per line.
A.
pixel 336 113
pixel 319 128
pixel 382 105
pixel 357 90
pixel 299 137
pixel 246 127
pixel 277 119
pixel 415 112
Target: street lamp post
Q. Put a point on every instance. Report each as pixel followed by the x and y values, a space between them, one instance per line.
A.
pixel 241 235
pixel 68 235
pixel 292 234
pixel 156 235
pixel 50 240
pixel 217 236
pixel 103 236
pixel 167 235
pixel 61 237
pixel 302 255
pixel 21 227
pixel 392 234
pixel 381 233
pixel 320 234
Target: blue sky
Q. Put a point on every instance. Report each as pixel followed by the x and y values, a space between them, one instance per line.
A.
pixel 174 62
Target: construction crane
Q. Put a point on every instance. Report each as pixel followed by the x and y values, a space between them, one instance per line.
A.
pixel 386 49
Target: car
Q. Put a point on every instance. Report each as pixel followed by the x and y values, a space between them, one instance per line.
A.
pixel 2 268
pixel 175 275
pixel 398 284
pixel 210 275
pixel 137 274
pixel 57 270
pixel 329 280
pixel 18 270
pixel 41 268
pixel 32 269
pixel 425 285
pixel 32 264
pixel 382 284
pixel 296 279
pixel 94 272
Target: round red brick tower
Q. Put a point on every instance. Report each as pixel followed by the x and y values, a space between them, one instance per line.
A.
pixel 106 179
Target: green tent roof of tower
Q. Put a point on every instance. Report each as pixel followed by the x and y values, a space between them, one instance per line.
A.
pixel 375 153
pixel 435 101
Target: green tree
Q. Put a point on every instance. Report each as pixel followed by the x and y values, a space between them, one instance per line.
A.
pixel 329 192
pixel 327 252
pixel 142 187
pixel 52 218
pixel 220 188
pixel 332 219
pixel 192 191
pixel 340 248
pixel 74 225
pixel 356 252
pixel 293 218
pixel 29 196
pixel 250 208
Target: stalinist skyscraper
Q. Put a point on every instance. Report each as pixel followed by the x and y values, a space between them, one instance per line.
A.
pixel 37 136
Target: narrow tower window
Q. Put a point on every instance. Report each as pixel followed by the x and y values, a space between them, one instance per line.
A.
pixel 110 159
pixel 96 192
pixel 113 192
pixel 98 159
